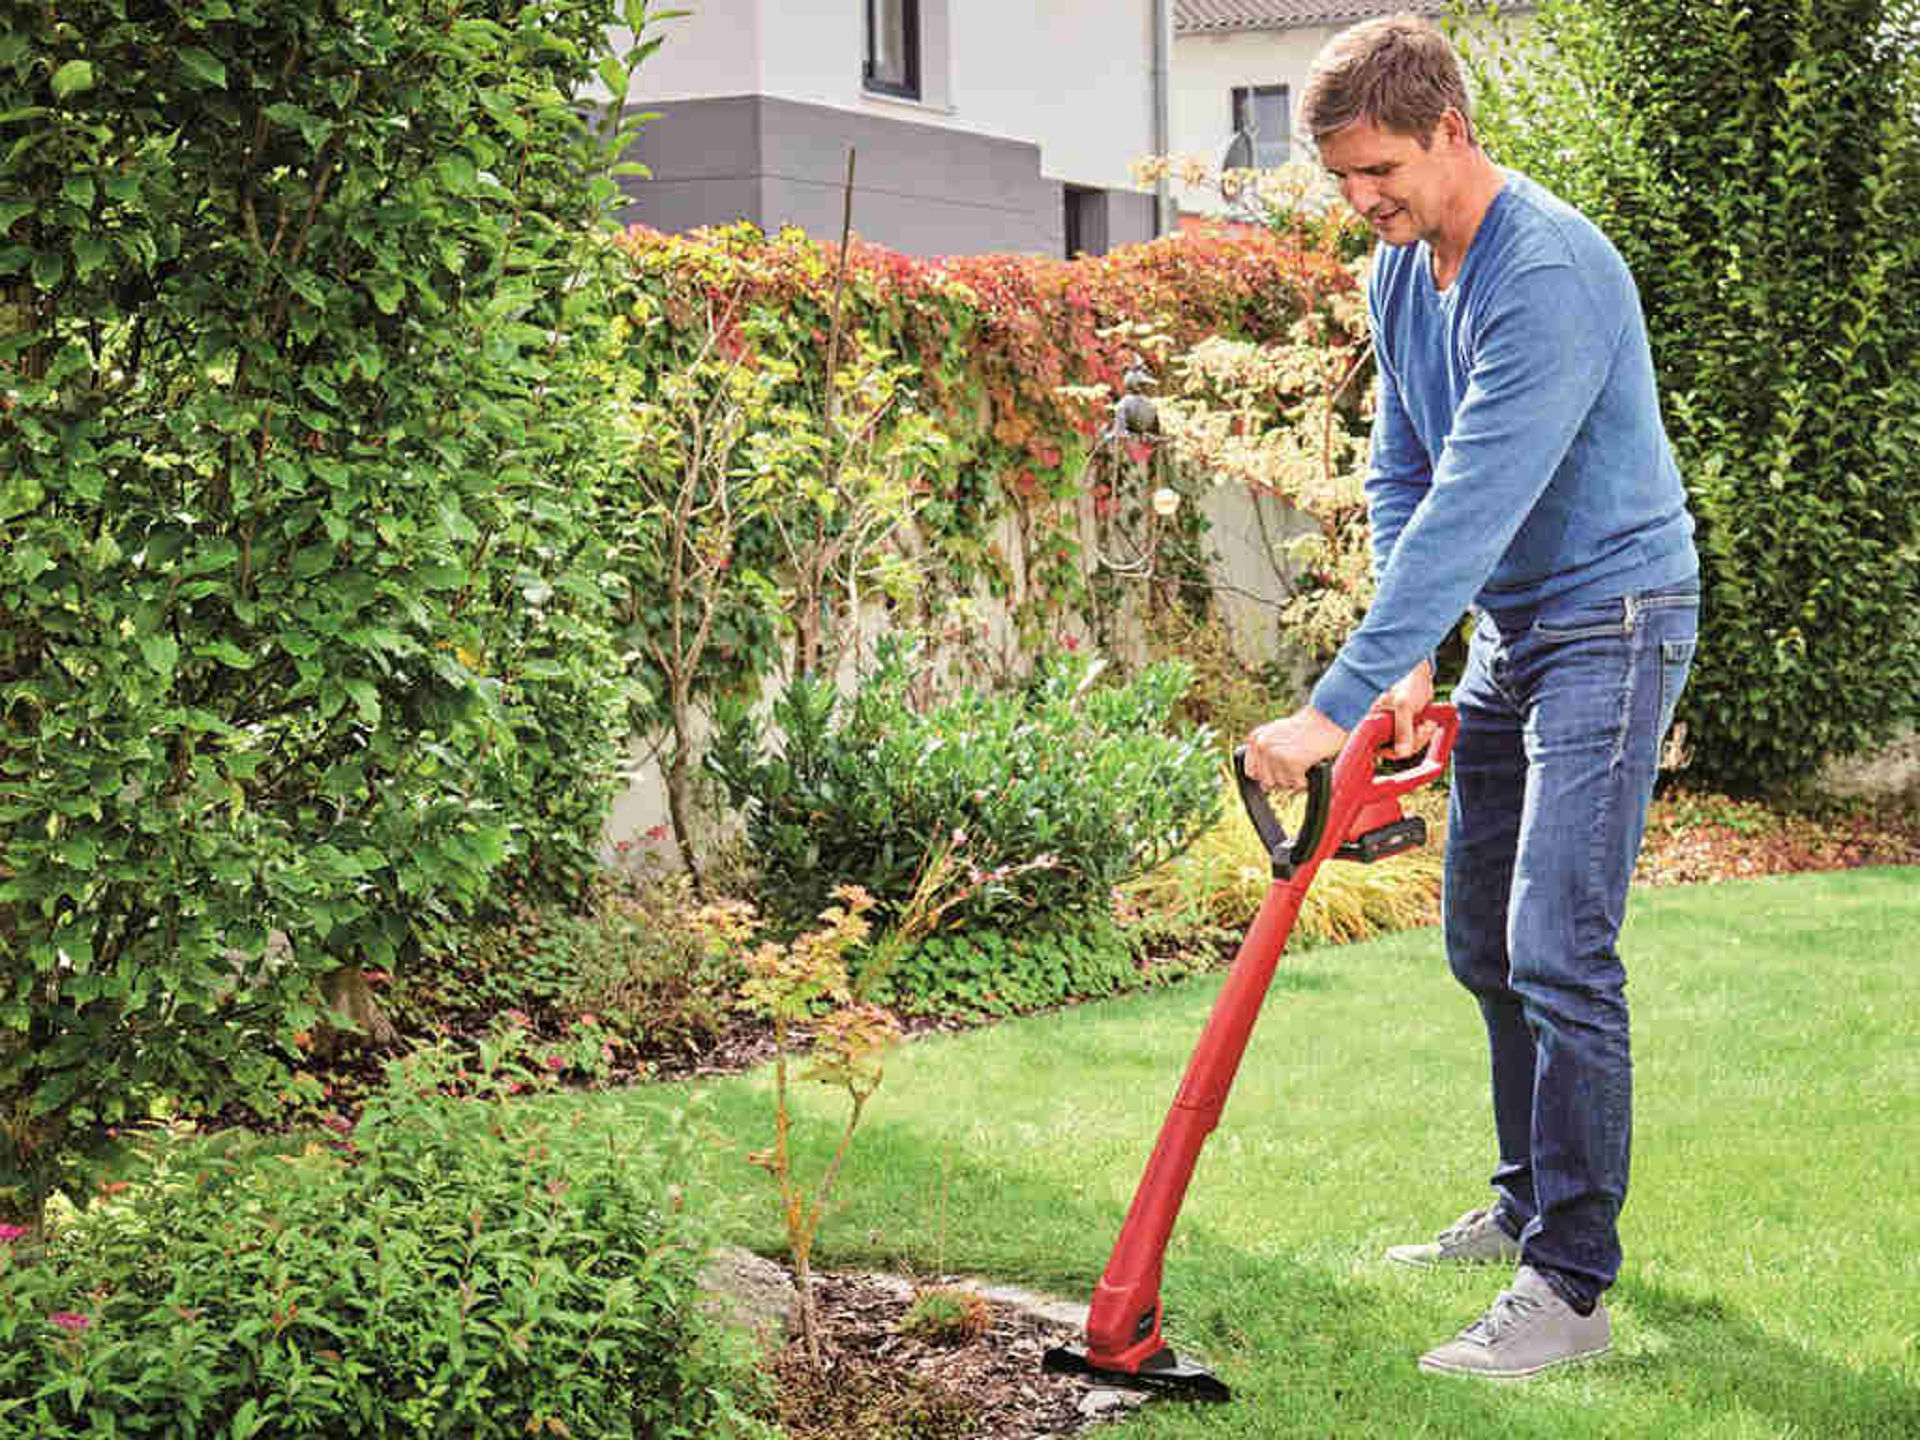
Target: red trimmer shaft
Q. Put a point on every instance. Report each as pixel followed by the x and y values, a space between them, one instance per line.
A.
pixel 1353 812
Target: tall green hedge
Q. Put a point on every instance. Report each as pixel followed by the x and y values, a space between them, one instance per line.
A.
pixel 303 621
pixel 1759 167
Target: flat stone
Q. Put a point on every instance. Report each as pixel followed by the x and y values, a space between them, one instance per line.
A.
pixel 740 1288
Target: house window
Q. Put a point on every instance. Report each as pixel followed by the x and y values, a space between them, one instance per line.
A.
pixel 1260 114
pixel 893 47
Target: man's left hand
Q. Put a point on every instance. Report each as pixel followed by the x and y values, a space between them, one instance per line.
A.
pixel 1281 752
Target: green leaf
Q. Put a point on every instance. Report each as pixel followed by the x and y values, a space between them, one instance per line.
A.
pixel 71 78
pixel 204 67
pixel 366 699
pixel 89 254
pixel 228 653
pixel 19 493
pixel 161 652
pixel 456 172
pixel 49 269
pixel 387 291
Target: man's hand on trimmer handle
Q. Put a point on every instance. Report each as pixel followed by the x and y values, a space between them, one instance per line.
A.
pixel 1281 752
pixel 1406 700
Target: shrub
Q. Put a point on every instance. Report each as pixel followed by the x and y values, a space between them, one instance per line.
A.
pixel 807 984
pixel 984 970
pixel 304 621
pixel 1759 167
pixel 632 954
pixel 1006 355
pixel 946 1315
pixel 458 1268
pixel 1051 797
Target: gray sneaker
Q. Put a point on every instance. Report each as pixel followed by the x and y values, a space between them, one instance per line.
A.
pixel 1529 1329
pixel 1474 1239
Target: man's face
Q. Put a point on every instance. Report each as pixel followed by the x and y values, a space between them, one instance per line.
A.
pixel 1401 187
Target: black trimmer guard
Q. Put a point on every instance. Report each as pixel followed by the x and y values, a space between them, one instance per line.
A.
pixel 1161 1373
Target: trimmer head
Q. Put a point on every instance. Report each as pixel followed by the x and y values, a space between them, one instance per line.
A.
pixel 1161 1373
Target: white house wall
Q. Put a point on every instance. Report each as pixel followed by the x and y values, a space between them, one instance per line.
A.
pixel 1206 71
pixel 1018 101
pixel 1207 68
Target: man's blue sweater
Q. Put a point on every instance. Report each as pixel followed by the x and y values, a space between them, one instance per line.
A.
pixel 1518 456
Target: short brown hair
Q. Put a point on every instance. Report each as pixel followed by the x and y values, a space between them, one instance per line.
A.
pixel 1397 72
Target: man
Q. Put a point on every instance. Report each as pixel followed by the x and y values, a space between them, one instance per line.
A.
pixel 1518 465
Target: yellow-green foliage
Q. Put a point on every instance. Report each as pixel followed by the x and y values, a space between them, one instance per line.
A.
pixel 1220 880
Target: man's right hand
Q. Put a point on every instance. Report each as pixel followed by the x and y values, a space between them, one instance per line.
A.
pixel 1406 700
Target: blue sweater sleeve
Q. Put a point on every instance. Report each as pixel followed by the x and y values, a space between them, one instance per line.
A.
pixel 1541 354
pixel 1399 472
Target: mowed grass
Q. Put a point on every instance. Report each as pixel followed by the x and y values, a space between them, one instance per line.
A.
pixel 1772 1284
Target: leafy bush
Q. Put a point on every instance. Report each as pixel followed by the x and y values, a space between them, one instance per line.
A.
pixel 634 955
pixel 1006 355
pixel 456 1268
pixel 987 971
pixel 305 628
pixel 1049 797
pixel 1759 167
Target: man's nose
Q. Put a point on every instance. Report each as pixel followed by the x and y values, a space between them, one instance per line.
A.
pixel 1359 193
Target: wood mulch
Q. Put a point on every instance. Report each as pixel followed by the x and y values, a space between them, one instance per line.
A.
pixel 878 1381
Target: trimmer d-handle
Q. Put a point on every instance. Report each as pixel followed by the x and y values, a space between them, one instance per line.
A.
pixel 1351 799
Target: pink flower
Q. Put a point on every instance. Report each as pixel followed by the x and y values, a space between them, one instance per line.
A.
pixel 68 1321
pixel 556 1062
pixel 11 1233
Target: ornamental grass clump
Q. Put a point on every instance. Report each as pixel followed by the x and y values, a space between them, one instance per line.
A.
pixel 1220 880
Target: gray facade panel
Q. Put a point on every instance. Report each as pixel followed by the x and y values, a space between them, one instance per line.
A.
pixel 677 206
pixel 915 224
pixel 700 140
pixel 1130 218
pixel 920 189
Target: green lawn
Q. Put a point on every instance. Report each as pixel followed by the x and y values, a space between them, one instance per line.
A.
pixel 1772 1285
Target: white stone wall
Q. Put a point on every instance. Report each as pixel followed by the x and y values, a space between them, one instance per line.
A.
pixel 1248 588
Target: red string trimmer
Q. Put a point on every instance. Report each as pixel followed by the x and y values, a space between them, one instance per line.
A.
pixel 1353 813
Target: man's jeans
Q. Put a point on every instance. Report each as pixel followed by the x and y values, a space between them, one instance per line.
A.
pixel 1563 713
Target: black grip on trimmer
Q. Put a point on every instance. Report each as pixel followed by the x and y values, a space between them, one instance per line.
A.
pixel 1286 854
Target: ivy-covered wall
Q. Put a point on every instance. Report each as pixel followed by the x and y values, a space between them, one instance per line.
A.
pixel 1026 525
